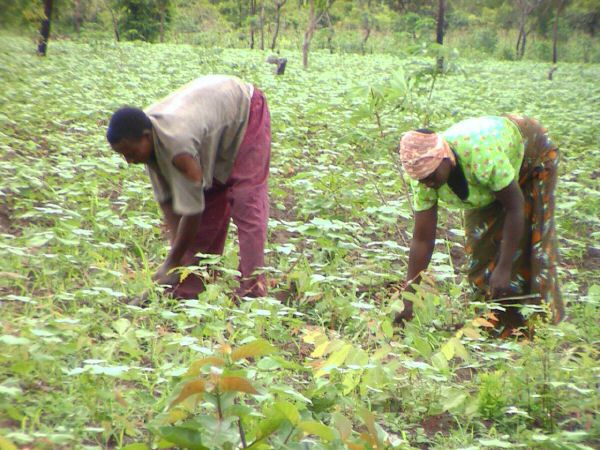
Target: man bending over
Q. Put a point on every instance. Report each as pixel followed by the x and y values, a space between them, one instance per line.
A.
pixel 206 148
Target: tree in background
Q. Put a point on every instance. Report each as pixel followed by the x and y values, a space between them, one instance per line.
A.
pixel 585 14
pixel 278 6
pixel 440 31
pixel 317 9
pixel 559 6
pixel 367 22
pixel 162 7
pixel 261 24
pixel 77 16
pixel 144 19
pixel 351 25
pixel 45 29
pixel 524 9
pixel 252 21
pixel 115 10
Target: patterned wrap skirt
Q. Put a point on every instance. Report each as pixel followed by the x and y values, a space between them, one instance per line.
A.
pixel 534 265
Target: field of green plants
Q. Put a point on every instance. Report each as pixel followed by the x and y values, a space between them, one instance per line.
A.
pixel 318 364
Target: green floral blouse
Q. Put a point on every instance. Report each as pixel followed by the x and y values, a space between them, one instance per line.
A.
pixel 490 151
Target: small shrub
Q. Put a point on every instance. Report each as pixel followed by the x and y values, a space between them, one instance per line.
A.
pixel 491 395
pixel 485 39
pixel 506 52
pixel 541 50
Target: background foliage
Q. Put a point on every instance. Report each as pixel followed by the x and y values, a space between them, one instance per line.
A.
pixel 481 28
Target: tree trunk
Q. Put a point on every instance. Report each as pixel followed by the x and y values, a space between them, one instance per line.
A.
pixel 525 8
pixel 252 13
pixel 278 6
pixel 330 33
pixel 77 16
pixel 115 22
pixel 162 24
pixel 559 9
pixel 523 42
pixel 439 34
pixel 45 29
pixel 262 24
pixel 365 38
pixel 310 29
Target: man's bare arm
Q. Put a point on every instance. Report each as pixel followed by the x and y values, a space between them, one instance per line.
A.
pixel 171 219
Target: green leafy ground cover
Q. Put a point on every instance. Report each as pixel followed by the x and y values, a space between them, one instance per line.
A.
pixel 318 364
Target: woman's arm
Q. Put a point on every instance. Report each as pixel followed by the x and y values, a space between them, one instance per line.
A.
pixel 421 249
pixel 423 241
pixel 512 200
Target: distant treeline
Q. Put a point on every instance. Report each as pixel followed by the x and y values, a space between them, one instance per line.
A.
pixel 509 29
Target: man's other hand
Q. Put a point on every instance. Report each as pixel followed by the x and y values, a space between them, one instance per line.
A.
pixel 162 275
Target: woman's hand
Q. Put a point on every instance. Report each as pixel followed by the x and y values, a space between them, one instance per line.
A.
pixel 500 282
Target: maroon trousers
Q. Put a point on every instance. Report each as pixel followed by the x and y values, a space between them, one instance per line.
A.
pixel 244 197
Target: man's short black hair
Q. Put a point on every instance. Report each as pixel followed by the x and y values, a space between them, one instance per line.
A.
pixel 425 131
pixel 127 123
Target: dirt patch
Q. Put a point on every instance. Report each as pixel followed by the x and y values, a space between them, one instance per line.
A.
pixel 463 374
pixel 442 423
pixel 592 259
pixel 5 220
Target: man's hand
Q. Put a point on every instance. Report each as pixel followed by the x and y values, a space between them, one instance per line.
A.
pixel 500 282
pixel 406 315
pixel 162 275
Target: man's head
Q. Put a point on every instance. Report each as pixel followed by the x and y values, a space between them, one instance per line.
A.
pixel 130 134
pixel 426 157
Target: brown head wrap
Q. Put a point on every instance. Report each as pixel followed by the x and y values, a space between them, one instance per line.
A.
pixel 422 153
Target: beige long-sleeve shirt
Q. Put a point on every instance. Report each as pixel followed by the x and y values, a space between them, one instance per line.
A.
pixel 207 119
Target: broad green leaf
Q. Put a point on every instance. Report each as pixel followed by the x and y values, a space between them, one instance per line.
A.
pixel 439 361
pixel 190 388
pixel 388 330
pixel 454 401
pixel 266 428
pixel 183 437
pixel 197 365
pixel 236 384
pixel 5 444
pixel 357 357
pixel 336 359
pixel 289 411
pixel 471 333
pixel 121 325
pixel 137 446
pixel 448 349
pixel 320 350
pixel 369 420
pixel 9 339
pixel 495 443
pixel 254 349
pixel 318 429
pixel 173 415
pixel 343 425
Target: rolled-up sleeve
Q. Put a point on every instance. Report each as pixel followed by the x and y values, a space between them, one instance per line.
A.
pixel 160 187
pixel 188 196
pixel 424 198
